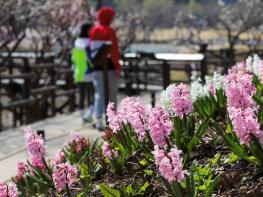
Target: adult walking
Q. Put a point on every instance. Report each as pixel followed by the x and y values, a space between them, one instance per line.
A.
pixel 100 34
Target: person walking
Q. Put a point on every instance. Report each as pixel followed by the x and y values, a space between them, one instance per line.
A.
pixel 100 34
pixel 83 72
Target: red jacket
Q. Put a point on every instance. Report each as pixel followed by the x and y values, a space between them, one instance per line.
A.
pixel 103 32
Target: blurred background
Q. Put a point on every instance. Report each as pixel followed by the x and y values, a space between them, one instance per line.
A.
pixel 176 25
pixel 36 38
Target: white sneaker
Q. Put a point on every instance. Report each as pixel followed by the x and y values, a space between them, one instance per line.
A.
pixel 88 120
pixel 99 124
pixel 89 112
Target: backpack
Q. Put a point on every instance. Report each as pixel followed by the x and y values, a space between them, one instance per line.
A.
pixel 101 54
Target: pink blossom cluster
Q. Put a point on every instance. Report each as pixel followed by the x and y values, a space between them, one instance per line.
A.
pixel 211 89
pixel 132 111
pixel 115 119
pixel 237 98
pixel 136 114
pixel 108 151
pixel 245 122
pixel 64 175
pixel 58 158
pixel 160 126
pixel 241 107
pixel 240 68
pixel 169 164
pixel 181 100
pixel 75 136
pixel 8 190
pixel 36 147
pixel 21 169
pixel 241 80
pixel 252 65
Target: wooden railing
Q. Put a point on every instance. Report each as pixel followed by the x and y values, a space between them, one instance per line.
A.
pixel 155 68
pixel 34 91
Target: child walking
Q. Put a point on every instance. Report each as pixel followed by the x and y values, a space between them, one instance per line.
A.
pixel 83 73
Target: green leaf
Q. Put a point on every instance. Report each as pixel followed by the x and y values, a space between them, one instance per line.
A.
pixel 212 186
pixel 84 171
pixel 107 191
pixel 129 190
pixel 148 172
pixel 258 99
pixel 228 128
pixel 144 188
pixel 39 181
pixel 204 171
pixel 202 187
pixel 202 128
pixel 236 147
pixel 80 194
pixel 190 185
pixel 256 149
pixel 216 159
pixel 143 162
pixel 232 158
pixel 177 189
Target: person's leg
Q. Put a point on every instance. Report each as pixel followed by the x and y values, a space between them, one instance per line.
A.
pixel 82 92
pixel 90 99
pixel 113 87
pixel 90 91
pixel 99 97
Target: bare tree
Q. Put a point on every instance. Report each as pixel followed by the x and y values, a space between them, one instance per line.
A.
pixel 241 17
pixel 43 24
pixel 228 22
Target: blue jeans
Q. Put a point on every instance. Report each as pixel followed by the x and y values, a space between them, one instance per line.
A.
pixel 99 91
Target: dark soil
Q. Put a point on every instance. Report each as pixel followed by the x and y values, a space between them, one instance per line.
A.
pixel 238 179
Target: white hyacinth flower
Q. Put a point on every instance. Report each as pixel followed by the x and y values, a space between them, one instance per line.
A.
pixel 198 90
pixel 217 81
pixel 255 64
pixel 252 64
pixel 249 66
pixel 165 98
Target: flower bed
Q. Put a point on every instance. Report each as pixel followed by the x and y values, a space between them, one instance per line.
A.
pixel 200 141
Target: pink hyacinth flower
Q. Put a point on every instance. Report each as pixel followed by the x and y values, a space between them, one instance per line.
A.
pixel 36 147
pixel 64 174
pixel 75 136
pixel 114 119
pixel 3 190
pixel 108 151
pixel 131 111
pixel 135 113
pixel 21 169
pixel 160 126
pixel 58 158
pixel 169 164
pixel 242 108
pixel 181 100
pixel 8 190
pixel 12 190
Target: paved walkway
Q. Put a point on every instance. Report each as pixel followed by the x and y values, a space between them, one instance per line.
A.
pixel 57 132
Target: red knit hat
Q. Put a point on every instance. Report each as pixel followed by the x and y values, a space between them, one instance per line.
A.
pixel 106 15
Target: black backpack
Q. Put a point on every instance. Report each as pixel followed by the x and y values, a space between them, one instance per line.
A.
pixel 101 55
